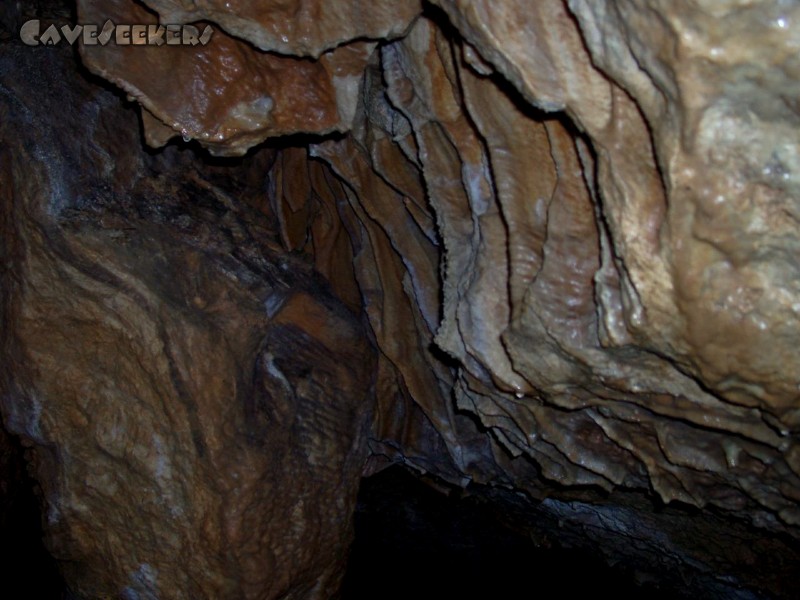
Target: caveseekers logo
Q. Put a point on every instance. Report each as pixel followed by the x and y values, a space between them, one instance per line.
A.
pixel 122 35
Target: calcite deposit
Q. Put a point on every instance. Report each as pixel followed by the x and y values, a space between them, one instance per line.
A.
pixel 568 227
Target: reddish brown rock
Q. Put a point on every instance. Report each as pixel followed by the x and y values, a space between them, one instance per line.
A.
pixel 225 94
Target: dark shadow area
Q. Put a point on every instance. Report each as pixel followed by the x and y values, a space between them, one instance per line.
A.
pixel 414 542
pixel 27 570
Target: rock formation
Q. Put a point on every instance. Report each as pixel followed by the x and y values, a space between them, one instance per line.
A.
pixel 566 229
pixel 192 394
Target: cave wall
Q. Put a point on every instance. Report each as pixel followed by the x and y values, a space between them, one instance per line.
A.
pixel 191 393
pixel 567 228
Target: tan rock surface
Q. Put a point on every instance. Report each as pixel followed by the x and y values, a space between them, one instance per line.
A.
pixel 563 271
pixel 714 83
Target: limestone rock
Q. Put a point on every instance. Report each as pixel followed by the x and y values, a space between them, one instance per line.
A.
pixel 524 196
pixel 727 152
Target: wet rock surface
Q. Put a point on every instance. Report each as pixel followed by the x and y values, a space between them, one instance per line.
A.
pixel 561 280
pixel 569 227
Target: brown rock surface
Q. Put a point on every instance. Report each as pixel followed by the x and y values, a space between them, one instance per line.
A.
pixel 195 401
pixel 571 227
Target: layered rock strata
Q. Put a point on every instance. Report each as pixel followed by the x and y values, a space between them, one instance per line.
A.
pixel 570 226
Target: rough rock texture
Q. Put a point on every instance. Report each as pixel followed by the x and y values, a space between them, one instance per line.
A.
pixel 195 400
pixel 226 94
pixel 299 28
pixel 565 264
pixel 571 227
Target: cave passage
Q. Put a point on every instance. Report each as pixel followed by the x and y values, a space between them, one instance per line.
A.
pixel 413 541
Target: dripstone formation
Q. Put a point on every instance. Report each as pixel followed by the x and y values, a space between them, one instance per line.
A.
pixel 542 250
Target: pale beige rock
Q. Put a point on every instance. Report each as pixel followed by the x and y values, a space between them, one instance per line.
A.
pixel 297 27
pixel 715 84
pixel 593 323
